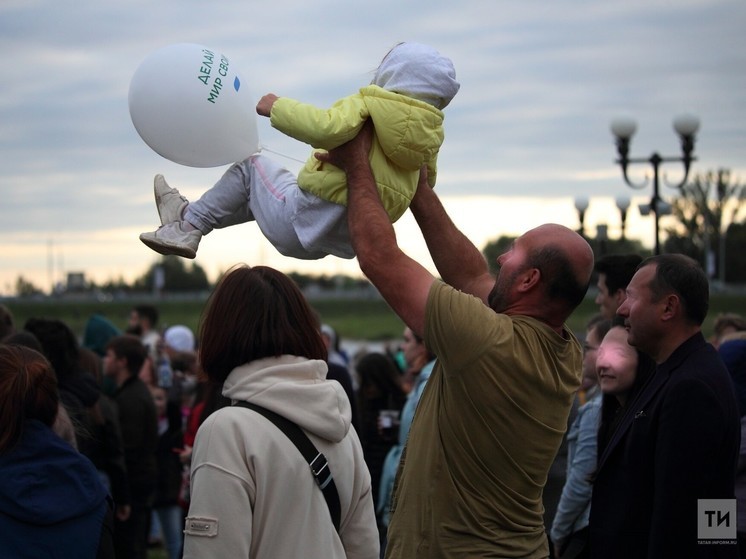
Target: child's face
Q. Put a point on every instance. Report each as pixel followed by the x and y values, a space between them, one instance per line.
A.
pixel 616 363
pixel 159 397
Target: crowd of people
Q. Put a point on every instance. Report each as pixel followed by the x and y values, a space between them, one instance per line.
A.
pixel 147 422
pixel 126 403
pixel 124 422
pixel 260 438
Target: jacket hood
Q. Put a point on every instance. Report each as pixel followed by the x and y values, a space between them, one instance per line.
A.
pixel 418 71
pixel 44 481
pixel 409 132
pixel 98 331
pixel 297 389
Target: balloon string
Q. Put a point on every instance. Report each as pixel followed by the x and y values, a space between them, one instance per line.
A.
pixel 265 148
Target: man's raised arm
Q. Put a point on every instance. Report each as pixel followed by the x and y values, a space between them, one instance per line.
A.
pixel 402 282
pixel 459 262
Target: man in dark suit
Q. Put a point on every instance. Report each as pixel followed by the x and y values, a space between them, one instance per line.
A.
pixel 138 419
pixel 678 441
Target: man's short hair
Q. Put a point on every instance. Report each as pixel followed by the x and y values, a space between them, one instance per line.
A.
pixel 131 349
pixel 561 280
pixel 618 270
pixel 600 324
pixel 684 276
pixel 149 312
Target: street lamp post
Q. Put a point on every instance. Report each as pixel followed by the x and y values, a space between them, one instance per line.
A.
pixel 686 127
pixel 581 204
pixel 622 202
pixel 602 235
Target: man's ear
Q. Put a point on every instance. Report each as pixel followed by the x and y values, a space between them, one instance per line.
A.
pixel 671 306
pixel 529 279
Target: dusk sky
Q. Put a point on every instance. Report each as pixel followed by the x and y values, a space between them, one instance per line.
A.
pixel 526 134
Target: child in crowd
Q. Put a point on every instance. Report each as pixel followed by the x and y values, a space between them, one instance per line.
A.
pixel 168 483
pixel 306 217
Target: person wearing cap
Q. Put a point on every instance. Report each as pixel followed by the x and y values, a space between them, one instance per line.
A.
pixel 97 333
pixel 306 217
pixel 179 338
pixel 178 353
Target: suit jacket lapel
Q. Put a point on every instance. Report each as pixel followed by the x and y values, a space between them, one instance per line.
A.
pixel 651 388
pixel 633 410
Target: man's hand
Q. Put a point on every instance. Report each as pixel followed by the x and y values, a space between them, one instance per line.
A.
pixel 264 106
pixel 353 152
pixel 422 184
pixel 185 454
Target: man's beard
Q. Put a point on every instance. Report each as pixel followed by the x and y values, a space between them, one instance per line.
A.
pixel 499 298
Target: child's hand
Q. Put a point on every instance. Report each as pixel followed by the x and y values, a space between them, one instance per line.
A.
pixel 264 106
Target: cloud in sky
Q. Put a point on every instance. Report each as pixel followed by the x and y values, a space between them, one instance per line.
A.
pixel 541 80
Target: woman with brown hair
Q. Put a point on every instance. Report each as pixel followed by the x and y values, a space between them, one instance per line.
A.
pixel 52 502
pixel 253 494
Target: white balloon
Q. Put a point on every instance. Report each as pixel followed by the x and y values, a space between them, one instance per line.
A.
pixel 190 105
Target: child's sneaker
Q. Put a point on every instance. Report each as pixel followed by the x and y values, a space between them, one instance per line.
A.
pixel 171 238
pixel 170 203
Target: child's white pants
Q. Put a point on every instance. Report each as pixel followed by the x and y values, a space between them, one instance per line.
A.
pixel 298 224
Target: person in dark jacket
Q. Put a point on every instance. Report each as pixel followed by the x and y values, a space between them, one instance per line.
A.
pixel 93 415
pixel 104 446
pixel 732 350
pixel 79 391
pixel 168 485
pixel 380 400
pixel 52 502
pixel 677 442
pixel 137 419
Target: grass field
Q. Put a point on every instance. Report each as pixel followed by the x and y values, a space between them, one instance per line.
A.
pixel 360 319
pixel 157 553
pixel 354 319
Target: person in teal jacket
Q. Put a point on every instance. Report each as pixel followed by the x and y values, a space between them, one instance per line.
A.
pixel 306 216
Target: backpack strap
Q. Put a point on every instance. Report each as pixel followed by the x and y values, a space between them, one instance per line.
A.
pixel 315 459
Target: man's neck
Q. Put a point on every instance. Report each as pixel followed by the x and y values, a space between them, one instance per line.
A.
pixel 673 342
pixel 557 326
pixel 540 309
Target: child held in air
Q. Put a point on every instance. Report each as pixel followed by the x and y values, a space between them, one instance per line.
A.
pixel 306 217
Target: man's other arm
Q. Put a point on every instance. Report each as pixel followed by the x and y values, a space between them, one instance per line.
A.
pixel 459 262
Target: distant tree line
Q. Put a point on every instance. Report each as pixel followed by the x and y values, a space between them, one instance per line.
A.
pixel 710 227
pixel 175 275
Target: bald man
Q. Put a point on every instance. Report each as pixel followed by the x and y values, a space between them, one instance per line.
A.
pixel 495 408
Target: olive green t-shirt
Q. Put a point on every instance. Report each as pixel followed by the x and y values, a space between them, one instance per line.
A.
pixel 485 433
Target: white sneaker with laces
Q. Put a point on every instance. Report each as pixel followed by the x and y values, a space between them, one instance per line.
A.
pixel 171 238
pixel 169 201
